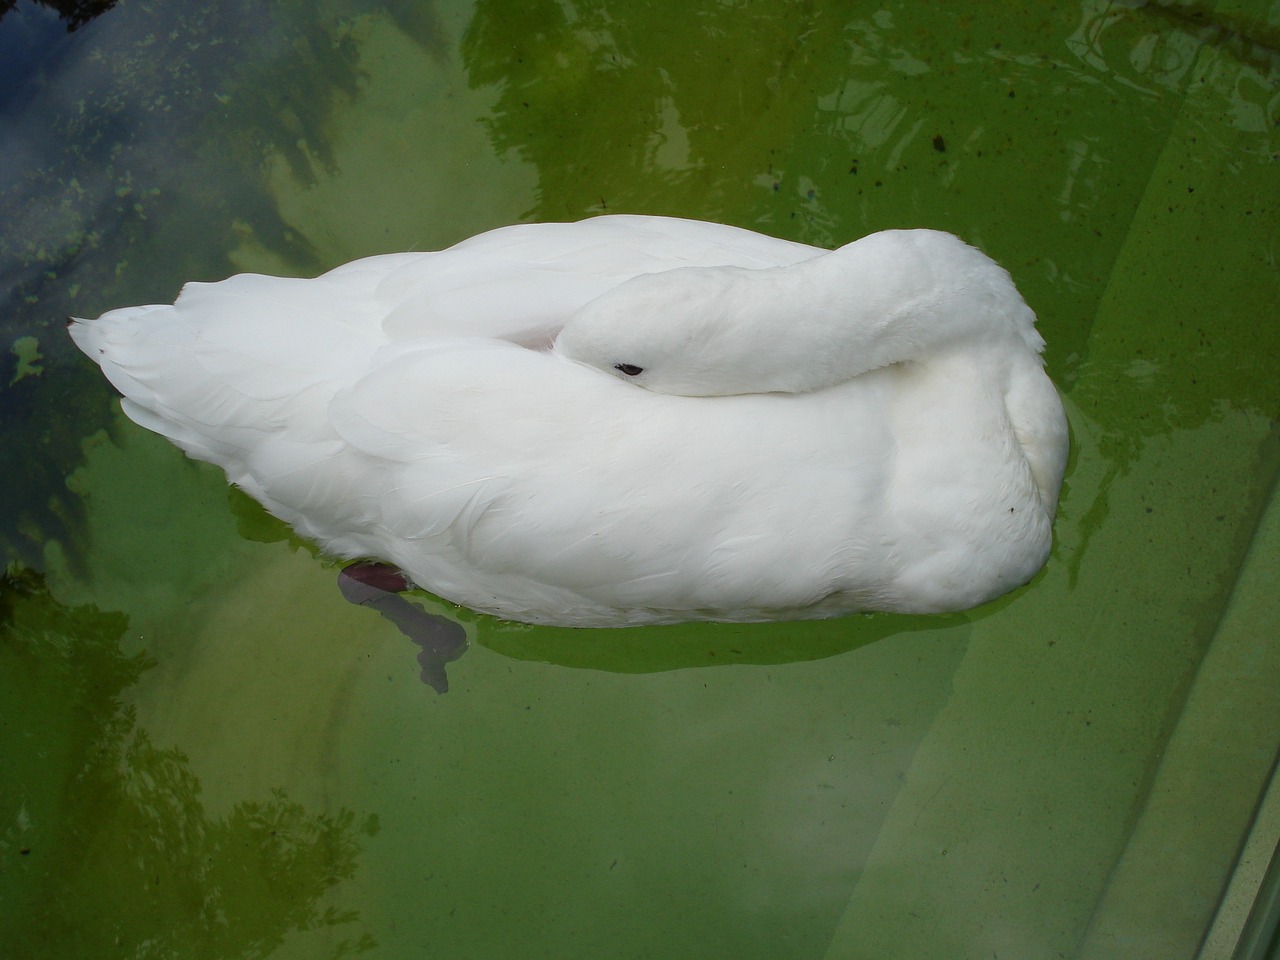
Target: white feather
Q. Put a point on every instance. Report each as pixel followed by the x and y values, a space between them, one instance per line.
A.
pixel 812 433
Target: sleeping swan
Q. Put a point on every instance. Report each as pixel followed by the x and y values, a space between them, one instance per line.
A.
pixel 628 419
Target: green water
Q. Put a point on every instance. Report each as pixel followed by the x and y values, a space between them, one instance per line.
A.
pixel 206 752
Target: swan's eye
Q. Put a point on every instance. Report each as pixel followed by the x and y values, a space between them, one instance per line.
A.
pixel 630 369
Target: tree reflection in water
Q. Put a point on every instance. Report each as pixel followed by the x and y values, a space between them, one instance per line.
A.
pixel 75 13
pixel 115 855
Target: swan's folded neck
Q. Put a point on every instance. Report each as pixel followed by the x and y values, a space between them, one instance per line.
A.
pixel 894 297
pixel 901 296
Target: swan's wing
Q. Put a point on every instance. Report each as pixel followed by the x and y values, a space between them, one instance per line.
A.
pixel 521 282
pixel 542 478
pixel 274 336
pixel 503 511
pixel 450 429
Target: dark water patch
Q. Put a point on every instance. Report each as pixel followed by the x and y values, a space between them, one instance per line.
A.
pixel 73 13
pixel 134 161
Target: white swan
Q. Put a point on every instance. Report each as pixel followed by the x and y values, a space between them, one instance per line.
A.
pixel 628 419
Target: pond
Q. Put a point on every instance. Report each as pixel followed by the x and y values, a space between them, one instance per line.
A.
pixel 206 752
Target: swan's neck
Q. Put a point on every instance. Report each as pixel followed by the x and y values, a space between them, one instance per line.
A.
pixel 893 297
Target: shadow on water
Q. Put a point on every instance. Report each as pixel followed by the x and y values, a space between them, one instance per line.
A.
pixel 122 829
pixel 689 645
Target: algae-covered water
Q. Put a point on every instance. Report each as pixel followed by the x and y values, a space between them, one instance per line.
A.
pixel 206 752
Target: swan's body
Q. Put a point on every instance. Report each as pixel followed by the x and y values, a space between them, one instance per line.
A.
pixel 760 430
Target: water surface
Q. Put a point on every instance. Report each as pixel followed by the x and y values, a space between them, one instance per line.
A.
pixel 205 751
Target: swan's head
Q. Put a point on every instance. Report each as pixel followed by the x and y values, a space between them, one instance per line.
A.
pixel 691 331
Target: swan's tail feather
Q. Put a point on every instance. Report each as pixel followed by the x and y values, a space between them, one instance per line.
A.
pixel 266 369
